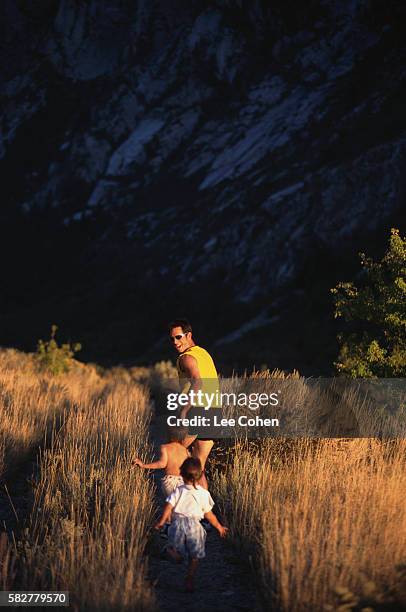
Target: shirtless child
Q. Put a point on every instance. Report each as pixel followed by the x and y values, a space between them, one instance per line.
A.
pixel 172 455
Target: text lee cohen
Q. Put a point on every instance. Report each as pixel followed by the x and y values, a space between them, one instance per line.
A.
pixel 204 421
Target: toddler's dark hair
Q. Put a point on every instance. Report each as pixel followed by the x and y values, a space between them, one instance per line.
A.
pixel 177 433
pixel 191 470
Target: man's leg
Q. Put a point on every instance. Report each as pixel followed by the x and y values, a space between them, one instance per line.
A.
pixel 188 441
pixel 201 450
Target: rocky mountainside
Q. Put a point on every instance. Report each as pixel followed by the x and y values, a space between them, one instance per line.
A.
pixel 224 160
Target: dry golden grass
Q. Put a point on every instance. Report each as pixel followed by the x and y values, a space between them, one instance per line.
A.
pixel 28 407
pixel 332 515
pixel 323 520
pixel 88 528
pixel 32 403
pixel 316 516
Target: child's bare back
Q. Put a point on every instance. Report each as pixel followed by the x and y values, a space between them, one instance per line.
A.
pixel 175 454
pixel 172 455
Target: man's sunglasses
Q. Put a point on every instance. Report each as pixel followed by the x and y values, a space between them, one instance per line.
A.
pixel 178 336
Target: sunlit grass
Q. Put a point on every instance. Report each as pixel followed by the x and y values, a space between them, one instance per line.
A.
pixel 321 522
pixel 333 515
pixel 89 524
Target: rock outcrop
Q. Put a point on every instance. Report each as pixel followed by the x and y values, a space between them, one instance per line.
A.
pixel 205 153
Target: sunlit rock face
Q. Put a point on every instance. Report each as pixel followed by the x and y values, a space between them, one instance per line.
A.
pixel 225 142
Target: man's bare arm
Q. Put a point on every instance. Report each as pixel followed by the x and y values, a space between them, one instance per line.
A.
pixel 189 366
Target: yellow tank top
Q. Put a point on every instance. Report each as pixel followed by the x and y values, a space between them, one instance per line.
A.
pixel 207 370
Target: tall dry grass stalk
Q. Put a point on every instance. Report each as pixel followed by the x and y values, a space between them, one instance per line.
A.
pixel 89 524
pixel 29 406
pixel 32 403
pixel 323 407
pixel 330 515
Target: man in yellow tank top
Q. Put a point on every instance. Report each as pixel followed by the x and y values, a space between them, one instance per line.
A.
pixel 196 370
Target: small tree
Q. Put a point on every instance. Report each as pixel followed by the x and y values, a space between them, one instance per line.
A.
pixel 376 344
pixel 56 359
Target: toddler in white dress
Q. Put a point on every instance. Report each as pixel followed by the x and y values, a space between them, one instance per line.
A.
pixel 187 505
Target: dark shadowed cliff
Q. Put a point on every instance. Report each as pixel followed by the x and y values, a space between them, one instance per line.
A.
pixel 220 160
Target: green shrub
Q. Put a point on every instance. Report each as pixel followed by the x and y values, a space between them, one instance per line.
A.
pixel 377 311
pixel 53 358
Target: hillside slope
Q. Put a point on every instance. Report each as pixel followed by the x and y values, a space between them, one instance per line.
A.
pixel 221 159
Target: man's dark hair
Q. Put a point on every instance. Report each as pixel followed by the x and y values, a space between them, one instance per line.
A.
pixel 183 323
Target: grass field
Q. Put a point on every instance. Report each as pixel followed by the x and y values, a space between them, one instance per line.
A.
pixel 321 524
pixel 322 520
pixel 90 515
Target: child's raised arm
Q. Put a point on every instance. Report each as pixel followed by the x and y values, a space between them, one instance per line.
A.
pixel 155 465
pixel 166 515
pixel 213 520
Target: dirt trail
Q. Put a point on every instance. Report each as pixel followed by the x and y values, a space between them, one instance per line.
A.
pixel 223 582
